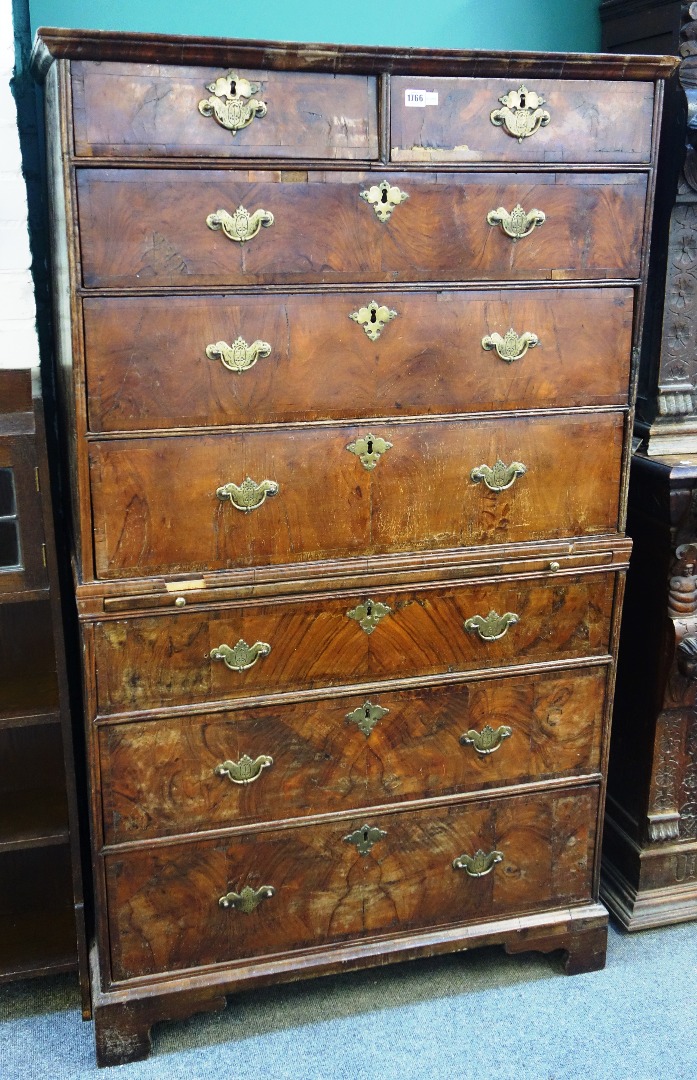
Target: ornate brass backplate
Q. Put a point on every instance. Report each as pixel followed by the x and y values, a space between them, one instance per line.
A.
pixel 366 716
pixel 241 656
pixel 500 477
pixel 230 102
pixel 479 864
pixel 518 223
pixel 365 837
pixel 249 494
pixel 373 318
pixel 369 449
pixel 511 346
pixel 493 626
pixel 488 739
pixel 521 115
pixel 247 900
pixel 240 226
pixel 383 198
pixel 239 356
pixel 244 771
pixel 368 615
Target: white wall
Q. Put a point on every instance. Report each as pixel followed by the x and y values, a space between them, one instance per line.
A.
pixel 19 346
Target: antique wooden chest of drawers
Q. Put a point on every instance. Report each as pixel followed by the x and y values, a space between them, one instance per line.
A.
pixel 345 340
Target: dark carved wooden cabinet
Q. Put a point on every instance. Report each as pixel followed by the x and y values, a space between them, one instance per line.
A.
pixel 41 906
pixel 345 340
pixel 650 848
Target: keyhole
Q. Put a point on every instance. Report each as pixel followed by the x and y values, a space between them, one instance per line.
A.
pixel 522 101
pixel 233 86
pixel 366 710
pixel 373 316
pixel 383 197
pixel 369 608
pixel 365 830
pixel 370 446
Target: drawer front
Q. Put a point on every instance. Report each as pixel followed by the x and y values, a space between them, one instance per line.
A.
pixel 575 122
pixel 156 509
pixel 157 661
pixel 134 234
pixel 152 110
pixel 164 903
pixel 147 365
pixel 187 773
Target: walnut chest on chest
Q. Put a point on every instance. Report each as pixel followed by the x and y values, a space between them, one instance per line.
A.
pixel 345 342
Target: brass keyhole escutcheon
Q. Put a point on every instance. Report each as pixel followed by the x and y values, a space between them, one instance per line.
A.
pixel 365 837
pixel 373 318
pixel 369 449
pixel 365 717
pixel 369 614
pixel 383 198
pixel 231 102
pixel 522 113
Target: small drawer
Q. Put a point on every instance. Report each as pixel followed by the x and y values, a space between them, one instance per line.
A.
pixel 358 877
pixel 155 364
pixel 544 120
pixel 183 774
pixel 179 504
pixel 315 228
pixel 246 648
pixel 157 110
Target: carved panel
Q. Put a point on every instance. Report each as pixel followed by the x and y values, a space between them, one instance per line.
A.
pixel 688 793
pixel 678 351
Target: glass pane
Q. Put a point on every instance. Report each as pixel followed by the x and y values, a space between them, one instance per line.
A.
pixel 7 493
pixel 9 544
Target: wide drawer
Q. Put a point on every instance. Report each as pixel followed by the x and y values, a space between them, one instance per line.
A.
pixel 308 886
pixel 576 121
pixel 152 110
pixel 175 659
pixel 147 362
pixel 185 773
pixel 134 233
pixel 160 503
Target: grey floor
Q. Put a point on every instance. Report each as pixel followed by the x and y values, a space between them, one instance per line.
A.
pixel 481 1015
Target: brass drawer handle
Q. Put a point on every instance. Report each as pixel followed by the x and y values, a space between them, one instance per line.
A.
pixel 239 356
pixel 479 864
pixel 364 838
pixel 493 627
pixel 365 717
pixel 369 449
pixel 247 900
pixel 510 347
pixel 240 226
pixel 248 495
pixel 244 771
pixel 241 656
pixel 231 103
pixel 521 115
pixel 518 223
pixel 383 198
pixel 373 318
pixel 500 477
pixel 369 614
pixel 488 740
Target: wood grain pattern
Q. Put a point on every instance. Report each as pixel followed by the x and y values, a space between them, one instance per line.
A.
pixel 158 661
pixel 147 366
pixel 156 509
pixel 151 110
pixel 589 121
pixel 159 776
pixel 134 234
pixel 164 913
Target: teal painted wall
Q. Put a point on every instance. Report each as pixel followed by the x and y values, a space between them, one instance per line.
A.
pixel 438 24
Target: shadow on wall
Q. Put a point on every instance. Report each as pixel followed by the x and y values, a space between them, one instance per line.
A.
pixel 535 25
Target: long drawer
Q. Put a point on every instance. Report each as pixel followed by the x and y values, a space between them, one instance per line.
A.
pixel 147 228
pixel 182 774
pixel 308 886
pixel 178 504
pixel 176 659
pixel 152 110
pixel 155 364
